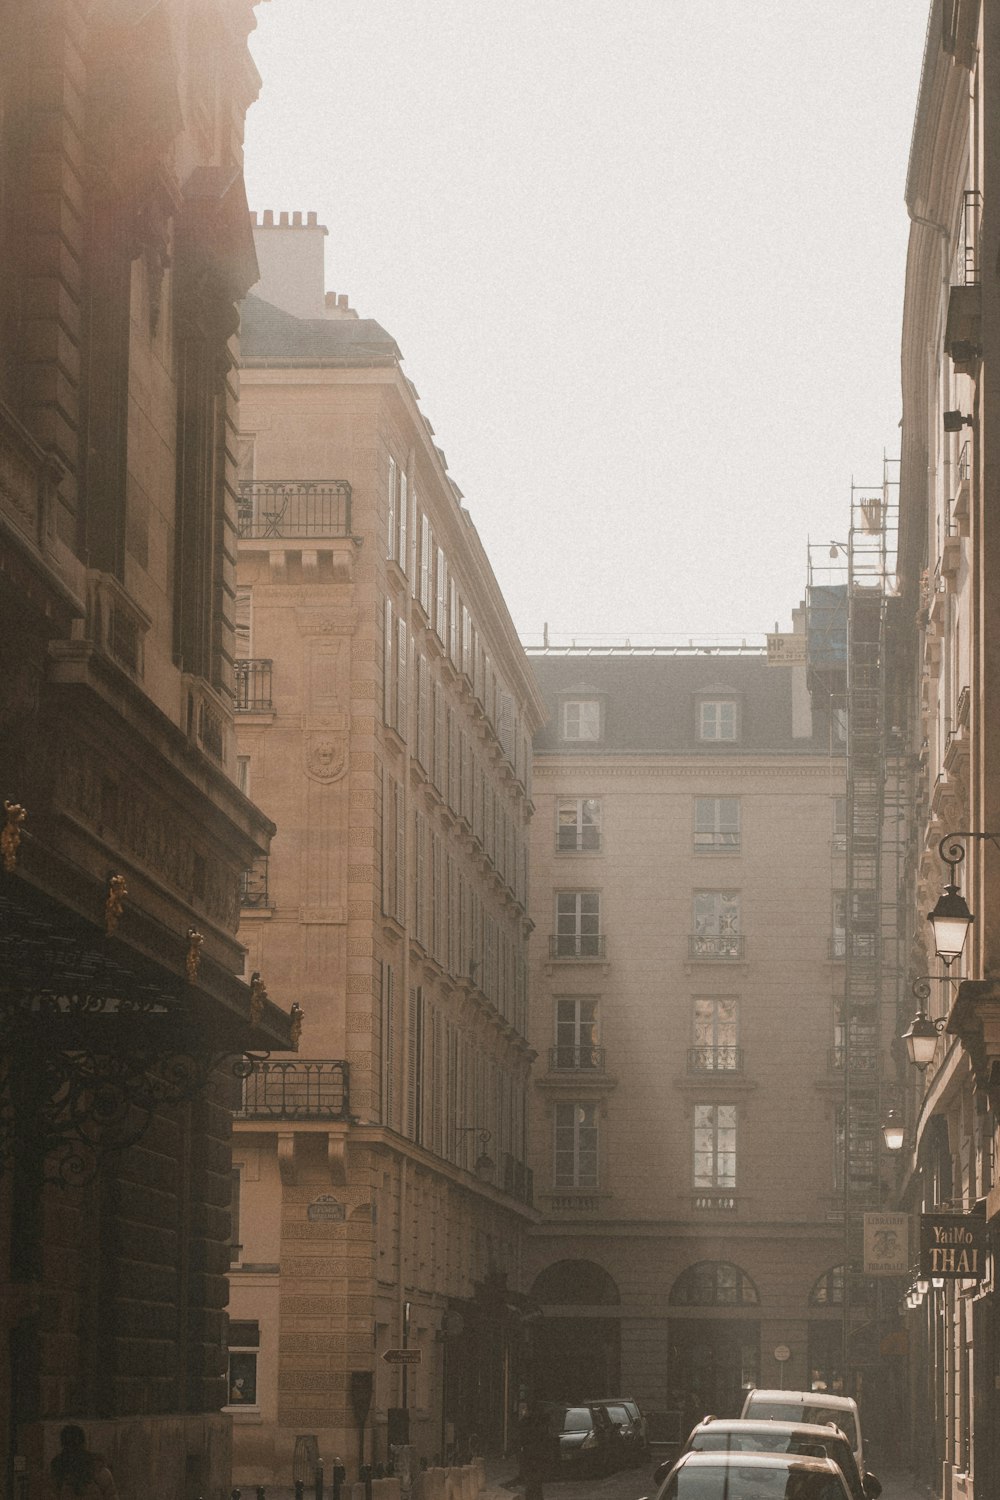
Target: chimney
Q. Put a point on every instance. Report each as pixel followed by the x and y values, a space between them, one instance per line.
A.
pixel 290 256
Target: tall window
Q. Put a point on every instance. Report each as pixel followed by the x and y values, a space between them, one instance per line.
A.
pixel 397 507
pixel 715 1146
pixel 581 719
pixel 716 825
pixel 717 719
pixel 716 917
pixel 840 823
pixel 235 1244
pixel 578 824
pixel 715 1034
pixel 576 1032
pixel 578 924
pixel 575 1145
pixel 838 937
pixel 244 1343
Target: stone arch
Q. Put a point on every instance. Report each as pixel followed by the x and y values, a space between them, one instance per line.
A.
pixel 714 1283
pixel 576 1342
pixel 576 1283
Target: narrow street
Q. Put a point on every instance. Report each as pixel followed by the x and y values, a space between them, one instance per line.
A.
pixel 633 1484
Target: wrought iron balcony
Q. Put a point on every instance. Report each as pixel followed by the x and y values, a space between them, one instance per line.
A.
pixel 715 945
pixel 576 1059
pixel 967 271
pixel 253 885
pixel 715 1060
pixel 294 508
pixel 576 945
pixel 315 1090
pixel 716 1203
pixel 252 685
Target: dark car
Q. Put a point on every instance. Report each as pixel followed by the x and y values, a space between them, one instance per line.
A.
pixel 631 1422
pixel 588 1440
pixel 753 1476
pixel 722 1435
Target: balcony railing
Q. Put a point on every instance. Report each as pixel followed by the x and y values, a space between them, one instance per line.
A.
pixel 297 1091
pixel 715 945
pixel 253 885
pixel 576 945
pixel 518 1181
pixel 576 1059
pixel 717 1203
pixel 252 685
pixel 715 1060
pixel 294 508
pixel 863 1060
pixel 967 260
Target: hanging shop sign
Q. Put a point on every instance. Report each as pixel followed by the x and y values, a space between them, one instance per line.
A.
pixel 887 1250
pixel 954 1246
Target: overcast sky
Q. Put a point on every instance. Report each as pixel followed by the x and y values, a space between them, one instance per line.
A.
pixel 644 260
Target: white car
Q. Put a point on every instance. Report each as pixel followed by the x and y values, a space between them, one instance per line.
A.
pixel 753 1476
pixel 810 1406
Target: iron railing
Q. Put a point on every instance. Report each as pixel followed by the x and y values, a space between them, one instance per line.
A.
pixel 576 945
pixel 253 885
pixel 294 508
pixel 967 263
pixel 317 1090
pixel 715 1060
pixel 717 945
pixel 252 684
pixel 717 1203
pixel 576 1059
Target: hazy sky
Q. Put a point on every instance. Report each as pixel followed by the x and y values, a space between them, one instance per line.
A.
pixel 644 259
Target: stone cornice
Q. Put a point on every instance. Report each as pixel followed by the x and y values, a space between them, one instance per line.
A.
pixel 662 767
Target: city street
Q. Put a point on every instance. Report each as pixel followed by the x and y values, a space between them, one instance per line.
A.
pixel 633 1484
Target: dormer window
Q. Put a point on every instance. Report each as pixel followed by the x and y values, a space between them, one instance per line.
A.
pixel 718 720
pixel 581 719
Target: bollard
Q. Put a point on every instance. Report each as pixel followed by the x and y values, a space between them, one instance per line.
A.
pixel 365 1475
pixel 260 1493
pixel 339 1475
pixel 319 1480
pixel 235 1495
pixel 300 1489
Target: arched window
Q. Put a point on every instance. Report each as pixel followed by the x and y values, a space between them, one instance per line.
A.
pixel 575 1282
pixel 828 1289
pixel 714 1283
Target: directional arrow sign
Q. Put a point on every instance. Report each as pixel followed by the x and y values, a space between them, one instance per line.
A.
pixel 402 1356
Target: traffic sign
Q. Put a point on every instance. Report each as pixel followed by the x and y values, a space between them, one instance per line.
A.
pixel 402 1356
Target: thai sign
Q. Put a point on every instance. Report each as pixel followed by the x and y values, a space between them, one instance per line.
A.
pixel 954 1246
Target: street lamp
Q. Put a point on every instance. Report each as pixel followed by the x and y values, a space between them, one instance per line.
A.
pixel 951 917
pixel 922 1038
pixel 484 1166
pixel 893 1131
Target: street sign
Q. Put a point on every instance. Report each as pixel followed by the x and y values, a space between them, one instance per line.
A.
pixel 402 1356
pixel 781 1353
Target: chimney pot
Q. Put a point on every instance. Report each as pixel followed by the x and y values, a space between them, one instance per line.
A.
pixel 342 300
pixel 283 221
pixel 311 221
pixel 268 218
pixel 297 220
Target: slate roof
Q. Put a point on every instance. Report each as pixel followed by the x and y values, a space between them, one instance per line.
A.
pixel 650 704
pixel 268 332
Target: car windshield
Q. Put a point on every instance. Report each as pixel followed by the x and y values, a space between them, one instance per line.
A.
pixel 730 1482
pixel 817 1414
pixel 577 1419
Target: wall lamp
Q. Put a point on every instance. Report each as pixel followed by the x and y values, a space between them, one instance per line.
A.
pixel 954 421
pixel 951 917
pixel 484 1166
pixel 893 1131
pixel 922 1038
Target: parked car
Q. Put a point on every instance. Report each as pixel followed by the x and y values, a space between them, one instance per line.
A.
pixel 632 1426
pixel 588 1440
pixel 810 1406
pixel 723 1435
pixel 753 1476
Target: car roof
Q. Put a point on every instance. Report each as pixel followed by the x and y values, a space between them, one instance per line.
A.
pixel 818 1431
pixel 807 1398
pixel 760 1460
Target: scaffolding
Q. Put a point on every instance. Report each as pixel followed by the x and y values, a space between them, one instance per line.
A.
pixel 846 626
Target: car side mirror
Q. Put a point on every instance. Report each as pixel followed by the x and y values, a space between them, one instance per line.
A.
pixel 663 1469
pixel 871 1487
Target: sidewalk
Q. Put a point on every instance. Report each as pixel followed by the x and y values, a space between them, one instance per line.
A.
pixel 898 1485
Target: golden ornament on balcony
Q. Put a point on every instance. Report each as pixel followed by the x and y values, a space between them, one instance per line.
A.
pixel 10 837
pixel 113 906
pixel 192 962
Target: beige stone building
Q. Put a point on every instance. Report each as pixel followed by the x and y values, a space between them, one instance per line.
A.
pixel 687 979
pixel 386 711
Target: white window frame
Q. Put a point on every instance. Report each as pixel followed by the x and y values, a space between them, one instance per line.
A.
pixel 581 832
pixel 716 1038
pixel 718 720
pixel 714 1154
pixel 576 1164
pixel 251 1352
pixel 578 924
pixel 576 1031
pixel 581 720
pixel 718 825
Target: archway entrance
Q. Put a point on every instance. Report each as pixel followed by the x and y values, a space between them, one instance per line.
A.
pixel 576 1344
pixel 714 1341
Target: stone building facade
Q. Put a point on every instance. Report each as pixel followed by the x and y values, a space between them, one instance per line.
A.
pixel 948 690
pixel 124 250
pixel 386 724
pixel 687 978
